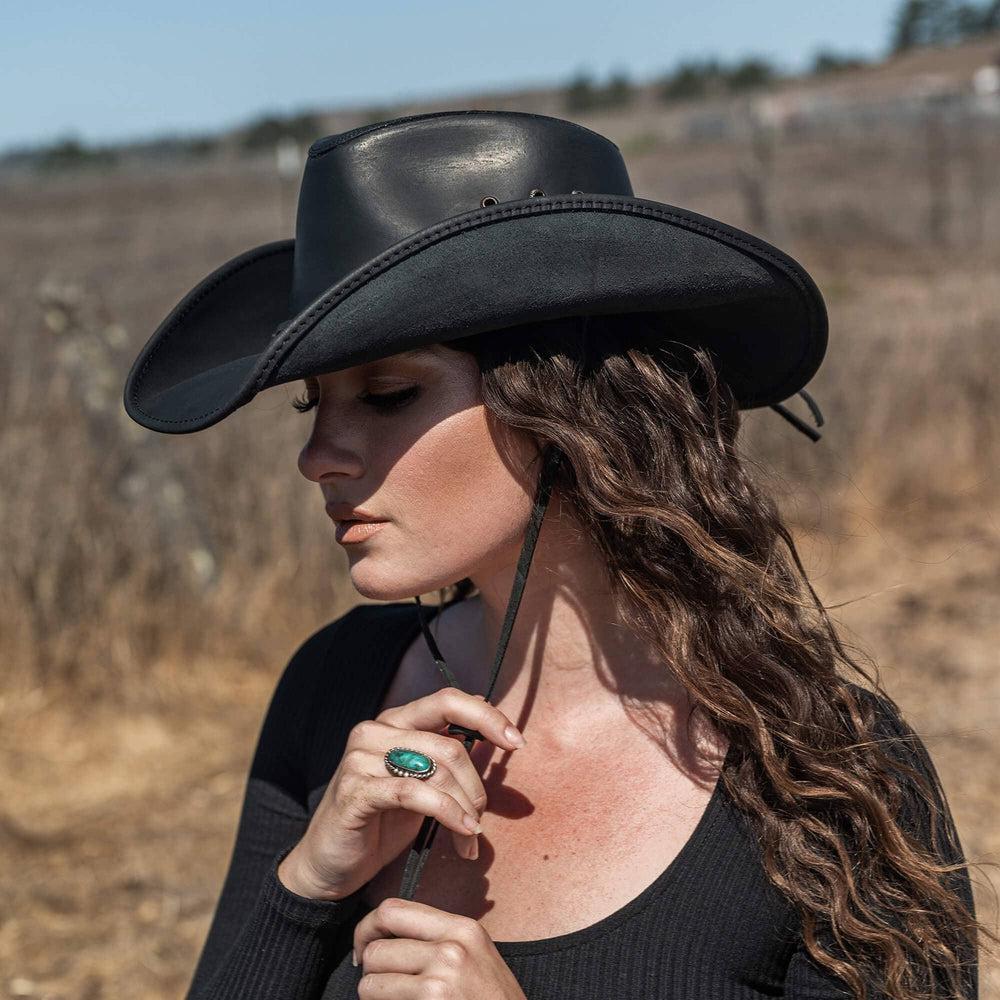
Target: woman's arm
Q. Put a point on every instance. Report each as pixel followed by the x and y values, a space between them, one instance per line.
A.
pixel 265 941
pixel 805 979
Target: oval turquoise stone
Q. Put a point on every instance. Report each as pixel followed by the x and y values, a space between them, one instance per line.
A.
pixel 410 759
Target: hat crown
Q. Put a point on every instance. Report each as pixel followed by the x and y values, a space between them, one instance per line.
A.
pixel 365 190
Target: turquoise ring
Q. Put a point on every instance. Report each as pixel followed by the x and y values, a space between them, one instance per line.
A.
pixel 406 763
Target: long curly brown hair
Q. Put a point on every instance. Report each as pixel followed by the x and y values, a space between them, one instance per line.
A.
pixel 652 473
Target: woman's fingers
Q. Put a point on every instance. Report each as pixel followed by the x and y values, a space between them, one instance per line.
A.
pixel 421 797
pixel 451 803
pixel 418 725
pixel 453 760
pixel 441 708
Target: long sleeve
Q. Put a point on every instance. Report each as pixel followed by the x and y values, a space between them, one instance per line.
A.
pixel 805 979
pixel 265 941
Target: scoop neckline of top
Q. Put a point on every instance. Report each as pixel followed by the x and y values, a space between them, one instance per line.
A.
pixel 684 857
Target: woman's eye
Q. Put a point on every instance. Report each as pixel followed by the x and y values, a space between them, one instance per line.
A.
pixel 391 400
pixel 381 401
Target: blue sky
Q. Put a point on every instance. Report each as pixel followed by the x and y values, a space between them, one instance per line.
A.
pixel 112 71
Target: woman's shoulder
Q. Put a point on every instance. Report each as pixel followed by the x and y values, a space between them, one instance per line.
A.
pixel 326 684
pixel 889 724
pixel 895 736
pixel 363 624
pixel 353 635
pixel 925 807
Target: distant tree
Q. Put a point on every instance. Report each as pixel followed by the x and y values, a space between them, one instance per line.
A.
pixel 618 91
pixel 825 61
pixel 750 74
pixel 692 78
pixel 583 94
pixel 971 20
pixel 580 94
pixel 966 19
pixel 264 132
pixel 70 154
pixel 907 25
pixel 941 22
pixel 201 146
pixel 705 77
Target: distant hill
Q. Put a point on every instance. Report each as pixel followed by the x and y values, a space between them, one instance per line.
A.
pixel 640 120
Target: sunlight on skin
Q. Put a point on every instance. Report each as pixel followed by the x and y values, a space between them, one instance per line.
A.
pixel 457 493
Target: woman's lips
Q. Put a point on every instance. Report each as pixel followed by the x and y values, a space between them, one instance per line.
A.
pixel 357 531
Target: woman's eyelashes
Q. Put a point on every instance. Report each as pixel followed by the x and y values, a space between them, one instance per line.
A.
pixel 391 400
pixel 385 401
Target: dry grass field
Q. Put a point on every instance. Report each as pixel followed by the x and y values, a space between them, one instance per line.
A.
pixel 154 586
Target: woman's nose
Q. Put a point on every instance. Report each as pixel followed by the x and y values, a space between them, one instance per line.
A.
pixel 321 457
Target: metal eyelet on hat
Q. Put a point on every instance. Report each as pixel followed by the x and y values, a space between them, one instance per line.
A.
pixel 488 200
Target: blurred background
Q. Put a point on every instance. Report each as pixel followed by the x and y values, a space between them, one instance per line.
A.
pixel 153 586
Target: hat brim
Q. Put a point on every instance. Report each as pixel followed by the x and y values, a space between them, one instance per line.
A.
pixel 753 306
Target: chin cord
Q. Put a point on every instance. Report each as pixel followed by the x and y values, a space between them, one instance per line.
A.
pixel 422 845
pixel 425 838
pixel 797 422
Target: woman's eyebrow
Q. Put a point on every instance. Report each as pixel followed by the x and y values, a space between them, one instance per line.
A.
pixel 415 352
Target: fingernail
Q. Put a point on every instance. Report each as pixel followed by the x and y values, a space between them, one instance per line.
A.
pixel 514 736
pixel 354 957
pixel 472 824
pixel 474 850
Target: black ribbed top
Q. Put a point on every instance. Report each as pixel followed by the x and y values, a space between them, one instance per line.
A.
pixel 709 926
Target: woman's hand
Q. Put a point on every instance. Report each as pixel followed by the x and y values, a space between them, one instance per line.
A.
pixel 412 951
pixel 367 816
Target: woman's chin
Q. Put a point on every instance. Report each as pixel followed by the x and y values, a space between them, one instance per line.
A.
pixel 396 588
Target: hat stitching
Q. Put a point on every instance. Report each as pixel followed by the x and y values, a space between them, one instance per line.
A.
pixel 438 235
pixel 230 272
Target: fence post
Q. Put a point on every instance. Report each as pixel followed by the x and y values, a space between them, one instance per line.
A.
pixel 937 159
pixel 755 175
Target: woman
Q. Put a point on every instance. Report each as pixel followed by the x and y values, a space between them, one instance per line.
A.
pixel 703 806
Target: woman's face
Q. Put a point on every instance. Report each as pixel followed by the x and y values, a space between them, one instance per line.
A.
pixel 451 487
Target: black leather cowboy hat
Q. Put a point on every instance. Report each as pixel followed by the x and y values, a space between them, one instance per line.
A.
pixel 441 225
